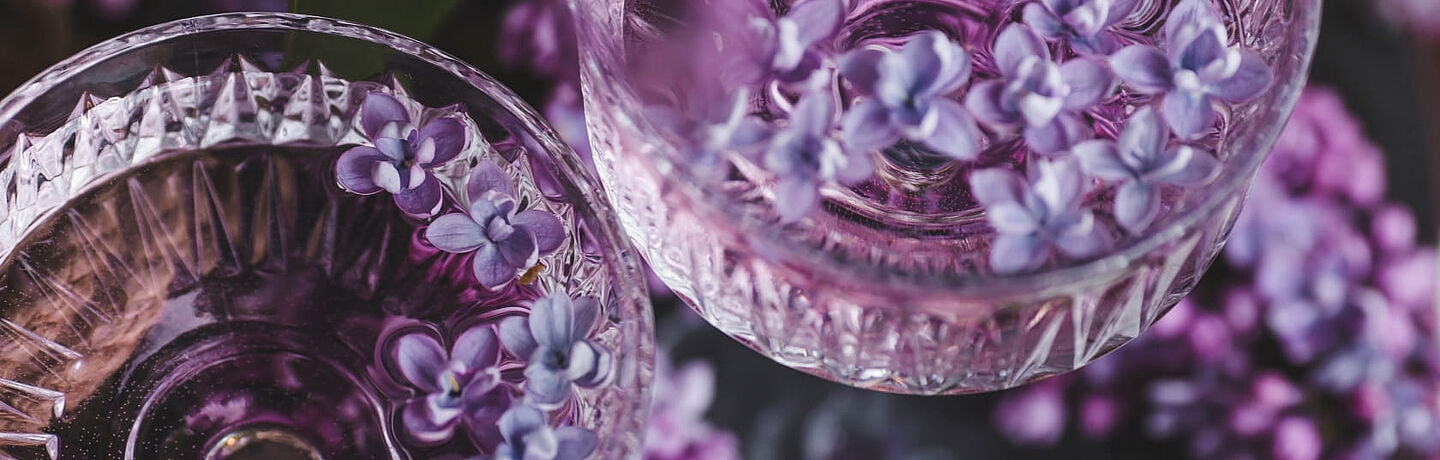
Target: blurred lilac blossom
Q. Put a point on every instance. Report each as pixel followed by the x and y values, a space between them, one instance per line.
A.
pixel 790 48
pixel 908 97
pixel 1141 162
pixel 1046 98
pixel 677 428
pixel 1198 67
pixel 804 156
pixel 1037 214
pixel 554 340
pixel 1083 24
pixel 505 242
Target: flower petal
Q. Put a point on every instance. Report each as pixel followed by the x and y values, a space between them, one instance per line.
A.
pixel 456 233
pixel 519 249
pixel 422 200
pixel 548 231
pixel 985 101
pixel 1187 167
pixel 814 113
pixel 355 169
pixel 1016 43
pixel 857 168
pixel 1136 205
pixel 516 337
pixel 1101 159
pixel 1084 239
pixel 520 421
pixel 544 386
pixel 860 68
pixel 1119 10
pixel 487 176
pixel 387 177
pixel 574 443
pixel 1190 14
pixel 427 425
pixel 796 197
pixel 421 359
pixel 1143 139
pixel 1011 218
pixel 1145 68
pixel 1057 136
pixel 956 134
pixel 817 20
pixel 1205 50
pixel 1089 80
pixel 477 347
pixel 448 136
pixel 582 360
pixel 552 321
pixel 1188 113
pixel 1247 83
pixel 1045 23
pixel 491 269
pixel 586 312
pixel 1012 253
pixel 866 127
pixel 378 110
pixel 994 186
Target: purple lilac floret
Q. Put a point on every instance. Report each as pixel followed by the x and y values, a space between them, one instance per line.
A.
pixel 505 242
pixel 553 340
pixel 716 123
pixel 1296 349
pixel 907 96
pixel 1038 215
pixel 402 155
pixel 1084 24
pixel 790 48
pixel 1198 67
pixel 528 436
pixel 805 156
pixel 677 428
pixel 1141 162
pixel 457 387
pixel 1046 99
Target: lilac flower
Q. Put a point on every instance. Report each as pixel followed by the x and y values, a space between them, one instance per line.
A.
pixel 402 156
pixel 1200 67
pixel 1083 24
pixel 790 48
pixel 908 98
pixel 554 340
pixel 1141 162
pixel 458 387
pixel 1046 98
pixel 507 242
pixel 1035 215
pixel 677 428
pixel 528 436
pixel 803 156
pixel 713 123
pixel 1034 416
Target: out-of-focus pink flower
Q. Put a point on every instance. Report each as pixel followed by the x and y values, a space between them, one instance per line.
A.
pixel 1033 416
pixel 677 428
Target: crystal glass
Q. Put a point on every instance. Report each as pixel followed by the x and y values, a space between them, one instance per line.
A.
pixel 201 257
pixel 885 282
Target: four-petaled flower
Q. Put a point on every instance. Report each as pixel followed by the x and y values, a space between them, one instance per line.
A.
pixel 1083 24
pixel 804 156
pixel 1200 67
pixel 1047 99
pixel 507 242
pixel 909 93
pixel 1037 215
pixel 553 339
pixel 1140 162
pixel 789 48
pixel 400 160
pixel 462 385
pixel 528 436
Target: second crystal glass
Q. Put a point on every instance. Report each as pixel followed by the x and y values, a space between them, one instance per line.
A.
pixel 940 196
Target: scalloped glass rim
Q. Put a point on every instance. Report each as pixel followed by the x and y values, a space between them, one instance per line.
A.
pixel 1277 105
pixel 575 177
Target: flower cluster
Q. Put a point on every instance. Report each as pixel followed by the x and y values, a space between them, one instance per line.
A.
pixel 1314 344
pixel 814 115
pixel 677 428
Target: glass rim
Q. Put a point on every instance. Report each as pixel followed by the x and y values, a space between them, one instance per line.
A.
pixel 837 272
pixel 627 285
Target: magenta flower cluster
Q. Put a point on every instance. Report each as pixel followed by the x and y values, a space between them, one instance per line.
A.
pixel 1310 341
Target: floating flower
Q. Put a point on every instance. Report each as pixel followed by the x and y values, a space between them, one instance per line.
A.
pixel 713 123
pixel 1141 162
pixel 528 436
pixel 1084 24
pixel 458 387
pixel 1037 215
pixel 1046 98
pixel 1200 67
pixel 804 156
pixel 506 242
pixel 908 93
pixel 400 161
pixel 554 341
pixel 789 48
